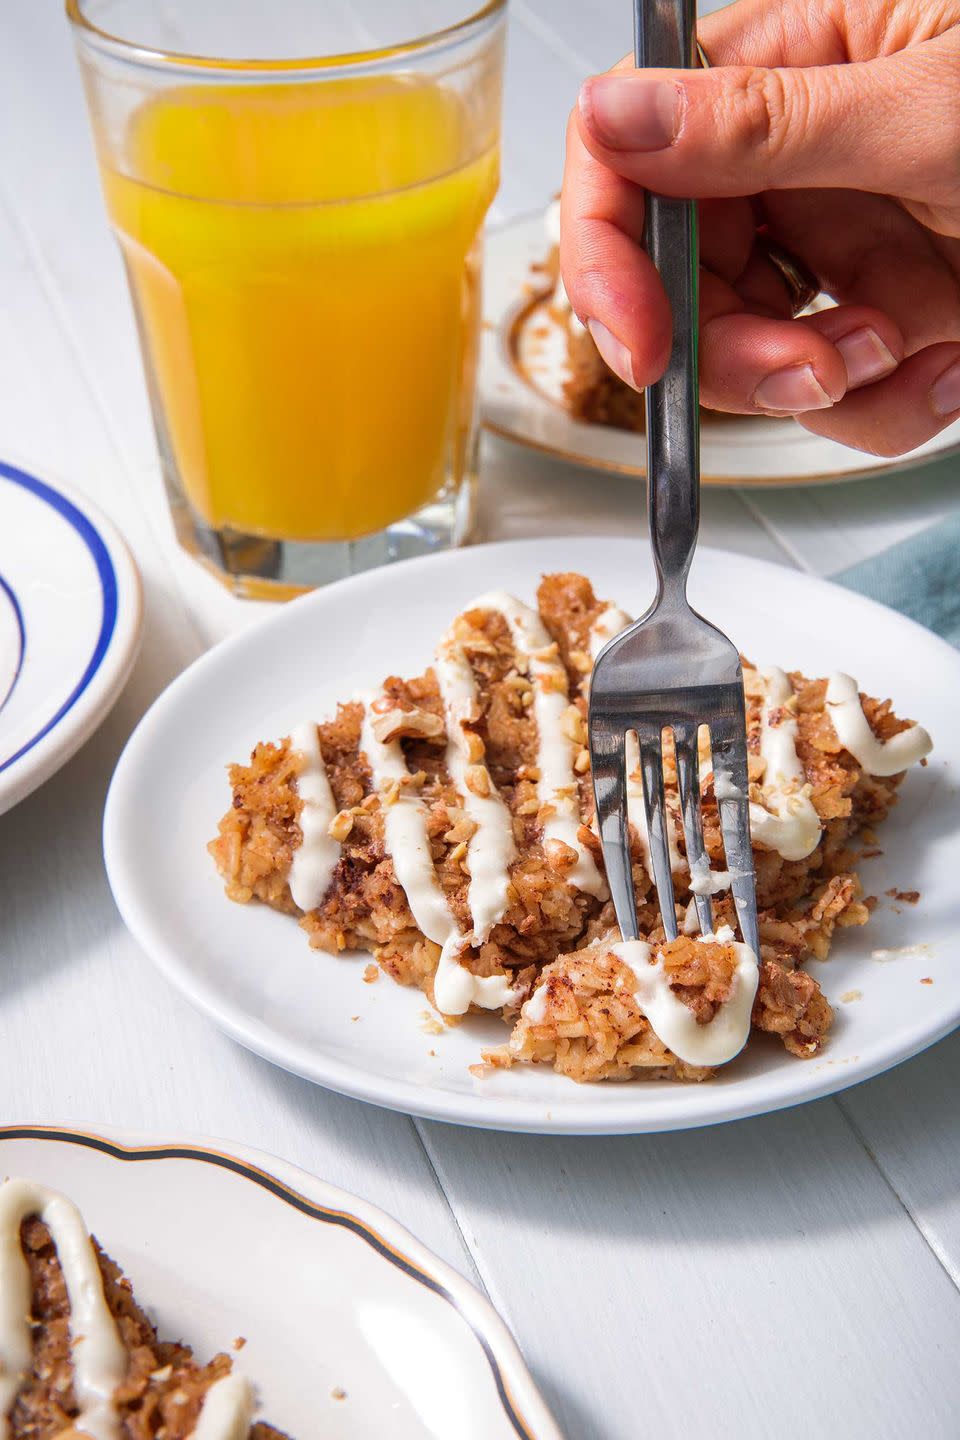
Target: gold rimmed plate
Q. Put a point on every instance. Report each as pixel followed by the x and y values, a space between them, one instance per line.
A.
pixel 523 368
pixel 351 1326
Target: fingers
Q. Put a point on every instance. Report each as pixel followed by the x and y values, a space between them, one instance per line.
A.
pixel 741 129
pixel 895 415
pixel 830 32
pixel 752 364
pixel 868 342
pixel 774 367
pixel 613 286
pixel 867 250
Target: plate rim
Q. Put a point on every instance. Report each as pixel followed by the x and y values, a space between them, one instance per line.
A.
pixel 14 602
pixel 470 1109
pixel 517 1391
pixel 499 328
pixel 114 653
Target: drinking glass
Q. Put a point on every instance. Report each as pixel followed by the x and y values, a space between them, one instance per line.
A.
pixel 298 190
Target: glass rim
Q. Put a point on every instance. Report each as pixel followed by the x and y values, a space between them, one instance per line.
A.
pixel 173 60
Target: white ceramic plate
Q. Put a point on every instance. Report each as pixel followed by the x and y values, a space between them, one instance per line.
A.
pixel 69 626
pixel 329 1292
pixel 253 973
pixel 523 366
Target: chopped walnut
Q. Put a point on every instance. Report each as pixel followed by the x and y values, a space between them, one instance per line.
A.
pixel 340 826
pixel 474 746
pixel 560 856
pixel 478 780
pixel 573 725
pixel 395 723
pixel 463 829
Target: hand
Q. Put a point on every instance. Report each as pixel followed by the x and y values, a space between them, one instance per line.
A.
pixel 837 127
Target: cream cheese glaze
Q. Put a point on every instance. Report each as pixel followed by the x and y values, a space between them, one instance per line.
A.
pixel 876 757
pixel 407 842
pixel 787 822
pixel 671 1020
pixel 98 1353
pixel 557 788
pixel 491 848
pixel 674 1023
pixel 315 858
pixel 227 1410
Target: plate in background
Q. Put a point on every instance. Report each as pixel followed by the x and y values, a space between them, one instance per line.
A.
pixel 523 365
pixel 70 613
pixel 329 1293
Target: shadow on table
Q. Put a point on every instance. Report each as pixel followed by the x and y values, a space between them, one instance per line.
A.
pixel 56 900
pixel 809 1169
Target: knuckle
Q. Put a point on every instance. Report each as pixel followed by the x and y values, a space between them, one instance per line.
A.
pixel 762 111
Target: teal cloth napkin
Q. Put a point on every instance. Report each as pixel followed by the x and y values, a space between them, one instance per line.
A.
pixel 919 576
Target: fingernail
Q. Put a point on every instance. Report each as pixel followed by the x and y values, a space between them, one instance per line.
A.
pixel 865 356
pixel 945 391
pixel 631 113
pixel 794 389
pixel 614 352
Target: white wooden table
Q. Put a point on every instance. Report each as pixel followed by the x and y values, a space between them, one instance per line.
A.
pixel 794 1275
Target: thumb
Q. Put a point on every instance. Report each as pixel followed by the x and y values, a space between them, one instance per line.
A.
pixel 890 125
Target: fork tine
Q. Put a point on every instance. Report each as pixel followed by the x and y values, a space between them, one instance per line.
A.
pixel 651 768
pixel 688 780
pixel 728 745
pixel 608 763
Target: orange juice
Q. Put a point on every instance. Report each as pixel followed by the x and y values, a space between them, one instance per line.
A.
pixel 302 263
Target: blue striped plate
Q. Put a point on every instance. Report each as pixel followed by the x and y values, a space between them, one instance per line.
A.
pixel 70 611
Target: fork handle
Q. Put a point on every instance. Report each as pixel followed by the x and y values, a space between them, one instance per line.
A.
pixel 665 36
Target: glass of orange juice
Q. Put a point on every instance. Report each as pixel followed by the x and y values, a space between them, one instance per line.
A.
pixel 298 188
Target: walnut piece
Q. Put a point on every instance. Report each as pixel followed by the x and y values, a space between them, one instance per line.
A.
pixel 397 723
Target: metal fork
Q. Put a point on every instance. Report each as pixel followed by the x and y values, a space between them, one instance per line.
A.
pixel 672 668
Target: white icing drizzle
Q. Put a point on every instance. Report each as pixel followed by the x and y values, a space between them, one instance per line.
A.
pixel 316 857
pixel 405 832
pixel 99 1356
pixel 723 786
pixel 97 1351
pixel 535 1009
pixel 491 848
pixel 704 881
pixel 788 822
pixel 876 757
pixel 691 920
pixel 608 623
pixel 227 1410
pixel 407 842
pixel 557 786
pixel 674 1022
